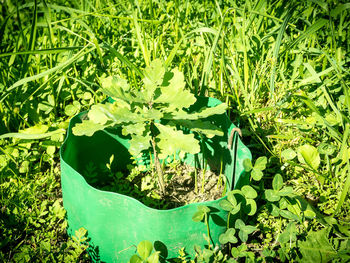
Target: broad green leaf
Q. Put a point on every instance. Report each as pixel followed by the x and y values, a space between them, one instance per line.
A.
pixel 154 258
pixel 272 195
pixel 277 182
pixel 171 141
pixel 205 127
pixel 203 208
pixel 206 112
pixel 72 109
pixel 308 154
pixel 309 214
pixel 207 254
pixel 243 236
pixel 249 192
pixel 173 94
pixel 240 251
pixel 226 205
pixel 247 164
pixel 137 129
pixel 257 174
pixel 250 207
pixel 239 224
pixel 236 209
pixel 260 163
pixel 289 215
pixel 228 236
pixel 198 216
pixel 289 234
pixel 151 114
pixel 231 198
pixel 286 191
pixel 203 113
pixel 154 73
pixel 115 87
pixel 326 148
pixel 248 229
pixel 121 115
pixel 97 115
pixel 87 128
pixel 283 203
pixel 118 88
pixel 275 211
pixel 317 247
pixel 139 143
pixel 135 259
pixel 288 154
pixel 144 248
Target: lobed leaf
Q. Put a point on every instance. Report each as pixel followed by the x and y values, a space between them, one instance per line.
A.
pixel 139 143
pixel 204 127
pixel 173 94
pixel 87 128
pixel 97 114
pixel 171 141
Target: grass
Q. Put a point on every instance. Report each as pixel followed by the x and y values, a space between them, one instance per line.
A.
pixel 282 68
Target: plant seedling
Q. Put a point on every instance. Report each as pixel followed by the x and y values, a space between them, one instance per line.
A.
pixel 256 170
pixel 202 213
pixel 145 255
pixel 152 116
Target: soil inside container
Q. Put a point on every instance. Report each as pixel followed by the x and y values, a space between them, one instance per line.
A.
pixel 180 184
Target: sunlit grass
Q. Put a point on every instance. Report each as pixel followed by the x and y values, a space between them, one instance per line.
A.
pixel 282 68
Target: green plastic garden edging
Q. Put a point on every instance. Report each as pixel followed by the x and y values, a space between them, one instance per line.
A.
pixel 117 223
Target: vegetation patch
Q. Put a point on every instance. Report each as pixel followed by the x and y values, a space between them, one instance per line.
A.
pixel 280 67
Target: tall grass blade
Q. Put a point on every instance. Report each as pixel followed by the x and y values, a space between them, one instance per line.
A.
pixel 32 38
pixel 332 131
pixel 26 136
pixel 41 51
pixel 309 31
pixel 209 59
pixel 142 44
pixel 177 45
pixel 344 151
pixel 123 59
pixel 49 71
pixel 276 50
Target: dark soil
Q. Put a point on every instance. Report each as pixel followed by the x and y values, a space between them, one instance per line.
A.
pixel 180 190
pixel 180 186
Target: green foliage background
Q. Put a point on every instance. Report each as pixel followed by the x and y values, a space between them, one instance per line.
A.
pixel 281 66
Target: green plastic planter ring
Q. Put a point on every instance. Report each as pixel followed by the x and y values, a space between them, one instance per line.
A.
pixel 117 223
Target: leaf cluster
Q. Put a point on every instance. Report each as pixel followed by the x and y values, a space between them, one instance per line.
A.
pixel 156 112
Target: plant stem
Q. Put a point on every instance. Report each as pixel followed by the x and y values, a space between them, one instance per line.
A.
pixel 195 177
pixel 203 175
pixel 158 167
pixel 208 229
